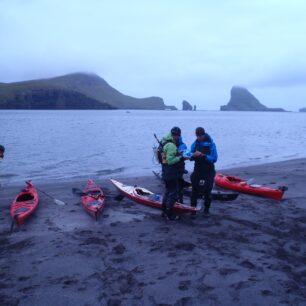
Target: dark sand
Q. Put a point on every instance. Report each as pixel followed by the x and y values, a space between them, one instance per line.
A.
pixel 249 252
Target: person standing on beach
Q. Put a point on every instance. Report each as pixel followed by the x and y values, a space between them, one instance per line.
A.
pixel 182 148
pixel 173 167
pixel 204 155
pixel 2 150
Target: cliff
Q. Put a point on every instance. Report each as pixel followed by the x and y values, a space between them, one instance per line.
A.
pixel 72 91
pixel 242 100
pixel 52 98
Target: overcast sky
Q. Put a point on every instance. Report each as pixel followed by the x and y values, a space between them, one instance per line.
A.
pixel 192 50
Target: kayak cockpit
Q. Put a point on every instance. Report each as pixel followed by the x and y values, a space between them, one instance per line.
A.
pixel 25 197
pixel 235 180
pixel 142 192
pixel 93 192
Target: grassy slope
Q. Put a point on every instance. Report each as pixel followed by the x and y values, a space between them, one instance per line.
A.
pixel 88 84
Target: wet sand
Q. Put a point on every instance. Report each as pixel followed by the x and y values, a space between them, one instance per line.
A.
pixel 251 251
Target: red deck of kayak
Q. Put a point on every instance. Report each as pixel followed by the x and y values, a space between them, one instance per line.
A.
pixel 145 197
pixel 238 184
pixel 24 204
pixel 94 201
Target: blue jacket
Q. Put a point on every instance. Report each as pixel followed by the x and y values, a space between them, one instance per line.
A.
pixel 182 148
pixel 208 147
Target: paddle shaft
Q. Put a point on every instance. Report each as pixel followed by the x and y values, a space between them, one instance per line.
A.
pixel 12 226
pixel 13 223
pixel 159 142
pixel 80 193
pixel 48 195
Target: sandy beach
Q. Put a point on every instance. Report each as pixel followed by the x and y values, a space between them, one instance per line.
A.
pixel 251 251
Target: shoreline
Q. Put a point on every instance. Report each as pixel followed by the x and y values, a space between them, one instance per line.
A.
pixel 251 248
pixel 128 176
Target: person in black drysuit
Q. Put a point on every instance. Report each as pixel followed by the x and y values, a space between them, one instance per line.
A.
pixel 2 150
pixel 204 154
pixel 172 171
pixel 182 149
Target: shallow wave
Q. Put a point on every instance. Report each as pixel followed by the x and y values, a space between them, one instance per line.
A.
pixel 7 175
pixel 110 171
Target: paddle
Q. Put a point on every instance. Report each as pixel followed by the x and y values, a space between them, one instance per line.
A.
pixel 185 183
pixel 157 175
pixel 119 197
pixel 250 181
pixel 56 201
pixel 13 223
pixel 78 192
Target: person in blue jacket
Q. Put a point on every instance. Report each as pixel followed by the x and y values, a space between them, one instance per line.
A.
pixel 204 154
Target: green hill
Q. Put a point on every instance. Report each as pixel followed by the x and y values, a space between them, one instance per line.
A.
pixel 72 91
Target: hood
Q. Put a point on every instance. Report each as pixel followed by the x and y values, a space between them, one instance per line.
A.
pixel 207 138
pixel 168 137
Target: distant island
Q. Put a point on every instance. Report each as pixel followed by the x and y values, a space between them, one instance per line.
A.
pixel 72 91
pixel 186 106
pixel 303 110
pixel 242 100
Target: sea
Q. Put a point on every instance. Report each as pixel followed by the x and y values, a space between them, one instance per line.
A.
pixel 52 146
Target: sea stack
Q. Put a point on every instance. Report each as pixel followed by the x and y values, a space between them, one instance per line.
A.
pixel 242 100
pixel 186 105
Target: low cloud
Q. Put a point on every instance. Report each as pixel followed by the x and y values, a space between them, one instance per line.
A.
pixel 173 49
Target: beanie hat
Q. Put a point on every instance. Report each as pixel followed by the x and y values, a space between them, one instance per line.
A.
pixel 200 131
pixel 176 131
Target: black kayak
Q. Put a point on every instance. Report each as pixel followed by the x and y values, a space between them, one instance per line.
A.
pixel 216 195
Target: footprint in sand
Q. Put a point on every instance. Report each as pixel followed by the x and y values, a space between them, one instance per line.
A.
pixel 247 264
pixel 227 271
pixel 184 285
pixel 185 246
pixel 119 249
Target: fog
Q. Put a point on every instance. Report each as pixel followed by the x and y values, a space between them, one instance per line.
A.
pixel 177 50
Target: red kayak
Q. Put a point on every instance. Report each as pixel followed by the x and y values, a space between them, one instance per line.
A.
pixel 24 204
pixel 94 200
pixel 143 196
pixel 238 184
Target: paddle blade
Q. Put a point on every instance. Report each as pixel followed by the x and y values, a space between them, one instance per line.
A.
pixel 59 202
pixel 283 188
pixel 250 181
pixel 158 176
pixel 78 192
pixel 119 197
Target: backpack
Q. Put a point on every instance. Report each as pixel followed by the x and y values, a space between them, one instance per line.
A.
pixel 159 151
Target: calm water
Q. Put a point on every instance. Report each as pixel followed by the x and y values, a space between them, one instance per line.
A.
pixel 60 145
